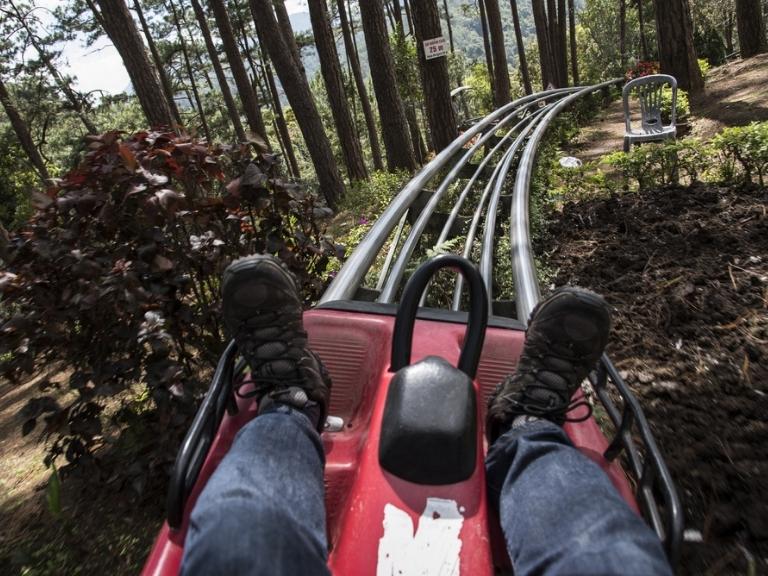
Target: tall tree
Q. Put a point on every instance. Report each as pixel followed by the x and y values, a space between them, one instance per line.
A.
pixel 164 81
pixel 548 75
pixel 244 89
pixel 501 90
pixel 221 78
pixel 521 48
pixel 362 90
pixel 121 29
pixel 572 35
pixel 394 124
pixel 22 133
pixel 334 86
pixel 298 93
pixel 623 33
pixel 434 76
pixel 644 53
pixel 284 23
pixel 487 44
pixel 76 100
pixel 749 23
pixel 677 55
pixel 190 72
pixel 448 23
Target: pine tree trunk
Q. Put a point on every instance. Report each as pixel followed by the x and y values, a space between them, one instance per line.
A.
pixel 545 50
pixel 298 93
pixel 644 54
pixel 675 37
pixel 487 45
pixel 282 126
pixel 234 114
pixel 399 16
pixel 434 76
pixel 22 133
pixel 728 31
pixel 284 23
pixel 749 23
pixel 572 34
pixel 521 48
pixel 501 93
pixel 334 86
pixel 394 124
pixel 448 23
pixel 408 15
pixel 190 72
pixel 623 33
pixel 248 97
pixel 362 90
pixel 159 65
pixel 562 42
pixel 119 26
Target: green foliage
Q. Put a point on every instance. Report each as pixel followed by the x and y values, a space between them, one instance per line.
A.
pixel 661 164
pixel 117 278
pixel 744 149
pixel 704 67
pixel 683 105
pixel 369 198
pixel 480 96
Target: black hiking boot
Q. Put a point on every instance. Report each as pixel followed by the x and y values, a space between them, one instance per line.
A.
pixel 262 311
pixel 566 336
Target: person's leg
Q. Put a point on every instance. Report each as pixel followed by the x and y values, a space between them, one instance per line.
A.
pixel 262 511
pixel 559 512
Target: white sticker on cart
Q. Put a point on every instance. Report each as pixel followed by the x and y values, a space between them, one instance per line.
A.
pixel 434 548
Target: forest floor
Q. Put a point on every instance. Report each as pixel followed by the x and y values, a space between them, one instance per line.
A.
pixel 686 270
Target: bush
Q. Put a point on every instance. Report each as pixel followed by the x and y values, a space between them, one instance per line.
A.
pixel 661 164
pixel 745 147
pixel 704 67
pixel 683 105
pixel 116 278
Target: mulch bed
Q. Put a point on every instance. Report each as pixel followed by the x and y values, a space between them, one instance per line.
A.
pixel 687 272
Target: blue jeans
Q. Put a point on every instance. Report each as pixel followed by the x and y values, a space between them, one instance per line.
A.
pixel 262 511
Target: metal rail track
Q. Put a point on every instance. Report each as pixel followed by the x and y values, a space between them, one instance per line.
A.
pixel 507 142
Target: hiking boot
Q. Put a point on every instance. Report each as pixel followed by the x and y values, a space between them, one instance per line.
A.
pixel 262 311
pixel 566 336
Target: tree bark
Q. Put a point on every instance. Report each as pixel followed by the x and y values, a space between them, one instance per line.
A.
pixel 22 133
pixel 244 89
pixel 164 81
pixel 190 72
pixel 572 34
pixel 334 86
pixel 221 78
pixel 394 124
pixel 675 37
pixel 644 54
pixel 448 23
pixel 398 15
pixel 623 34
pixel 562 42
pixel 408 15
pixel 434 76
pixel 121 29
pixel 543 40
pixel 749 24
pixel 298 93
pixel 487 44
pixel 521 48
pixel 362 90
pixel 284 23
pixel 501 93
pixel 728 31
pixel 282 126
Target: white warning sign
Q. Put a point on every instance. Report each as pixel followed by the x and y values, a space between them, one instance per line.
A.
pixel 435 48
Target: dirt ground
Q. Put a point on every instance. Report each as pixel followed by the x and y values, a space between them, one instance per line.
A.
pixel 686 270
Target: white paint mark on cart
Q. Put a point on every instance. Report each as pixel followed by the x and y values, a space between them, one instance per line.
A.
pixel 434 548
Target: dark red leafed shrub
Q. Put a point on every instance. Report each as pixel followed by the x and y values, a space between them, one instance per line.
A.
pixel 643 68
pixel 116 279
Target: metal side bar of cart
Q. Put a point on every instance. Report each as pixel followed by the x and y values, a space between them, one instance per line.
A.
pixel 655 491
